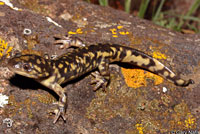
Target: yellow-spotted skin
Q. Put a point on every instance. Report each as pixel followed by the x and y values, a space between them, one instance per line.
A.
pixel 52 73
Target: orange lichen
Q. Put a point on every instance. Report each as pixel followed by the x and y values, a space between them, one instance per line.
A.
pixel 137 77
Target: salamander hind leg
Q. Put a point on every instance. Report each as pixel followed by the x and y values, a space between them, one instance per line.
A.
pixel 102 78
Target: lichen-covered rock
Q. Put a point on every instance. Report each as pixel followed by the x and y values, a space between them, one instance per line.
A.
pixel 150 105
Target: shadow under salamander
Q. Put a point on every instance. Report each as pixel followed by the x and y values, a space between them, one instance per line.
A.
pixel 26 83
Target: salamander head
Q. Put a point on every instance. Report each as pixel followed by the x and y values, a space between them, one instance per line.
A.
pixel 32 66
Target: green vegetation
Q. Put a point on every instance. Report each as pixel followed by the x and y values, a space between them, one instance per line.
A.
pixel 158 12
pixel 174 21
pixel 103 2
pixel 143 8
pixel 127 6
pixel 192 10
pixel 168 19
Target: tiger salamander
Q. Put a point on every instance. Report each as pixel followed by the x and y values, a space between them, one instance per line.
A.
pixel 53 72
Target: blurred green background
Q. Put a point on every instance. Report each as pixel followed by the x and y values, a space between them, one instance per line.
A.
pixel 178 15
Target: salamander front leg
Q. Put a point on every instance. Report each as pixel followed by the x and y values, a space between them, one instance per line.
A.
pixel 62 103
pixel 68 41
pixel 60 112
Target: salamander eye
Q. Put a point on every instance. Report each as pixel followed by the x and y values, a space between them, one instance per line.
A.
pixel 27 67
pixel 17 65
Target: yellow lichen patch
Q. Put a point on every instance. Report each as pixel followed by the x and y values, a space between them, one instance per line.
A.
pixel 70 32
pixel 118 31
pixel 113 30
pixel 123 33
pixel 2 3
pixel 147 125
pixel 137 77
pixel 115 36
pixel 182 118
pixel 9 50
pixel 159 55
pixel 5 49
pixel 119 27
pixel 140 128
pixel 190 121
pixel 78 31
